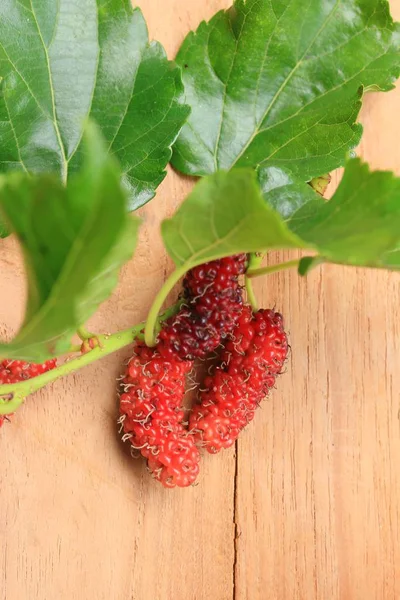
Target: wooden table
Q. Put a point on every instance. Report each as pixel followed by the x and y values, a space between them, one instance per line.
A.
pixel 306 508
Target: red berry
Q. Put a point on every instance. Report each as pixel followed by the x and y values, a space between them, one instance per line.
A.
pixel 214 303
pixel 152 415
pixel 219 274
pixel 15 371
pixel 249 364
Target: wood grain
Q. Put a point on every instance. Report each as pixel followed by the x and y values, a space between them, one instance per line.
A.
pixel 307 508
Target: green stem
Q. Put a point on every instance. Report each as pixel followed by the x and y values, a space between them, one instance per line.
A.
pixel 251 296
pixel 13 395
pixel 272 269
pixel 150 329
pixel 74 348
pixel 84 334
pixel 254 261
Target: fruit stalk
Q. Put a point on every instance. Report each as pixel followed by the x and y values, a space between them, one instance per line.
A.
pixel 258 272
pixel 153 316
pixel 12 395
pixel 254 262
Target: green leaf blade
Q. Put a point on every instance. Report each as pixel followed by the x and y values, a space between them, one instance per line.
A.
pixel 359 226
pixel 74 241
pixel 241 211
pixel 63 63
pixel 272 83
pixel 392 258
pixel 225 214
pixel 360 223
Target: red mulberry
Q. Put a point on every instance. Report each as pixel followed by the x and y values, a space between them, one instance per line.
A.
pixel 249 364
pixel 152 415
pixel 15 371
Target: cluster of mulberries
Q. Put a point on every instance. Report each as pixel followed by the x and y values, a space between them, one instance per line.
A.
pixel 254 349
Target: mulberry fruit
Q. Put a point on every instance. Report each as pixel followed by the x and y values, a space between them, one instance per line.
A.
pixel 214 304
pixel 249 364
pixel 152 415
pixel 16 371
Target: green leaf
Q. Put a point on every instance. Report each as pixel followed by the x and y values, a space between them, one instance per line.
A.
pixel 74 240
pixel 3 231
pixel 225 214
pixel 63 62
pixel 273 82
pixel 229 212
pixel 360 225
pixel 284 192
pixel 391 259
pixel 309 262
